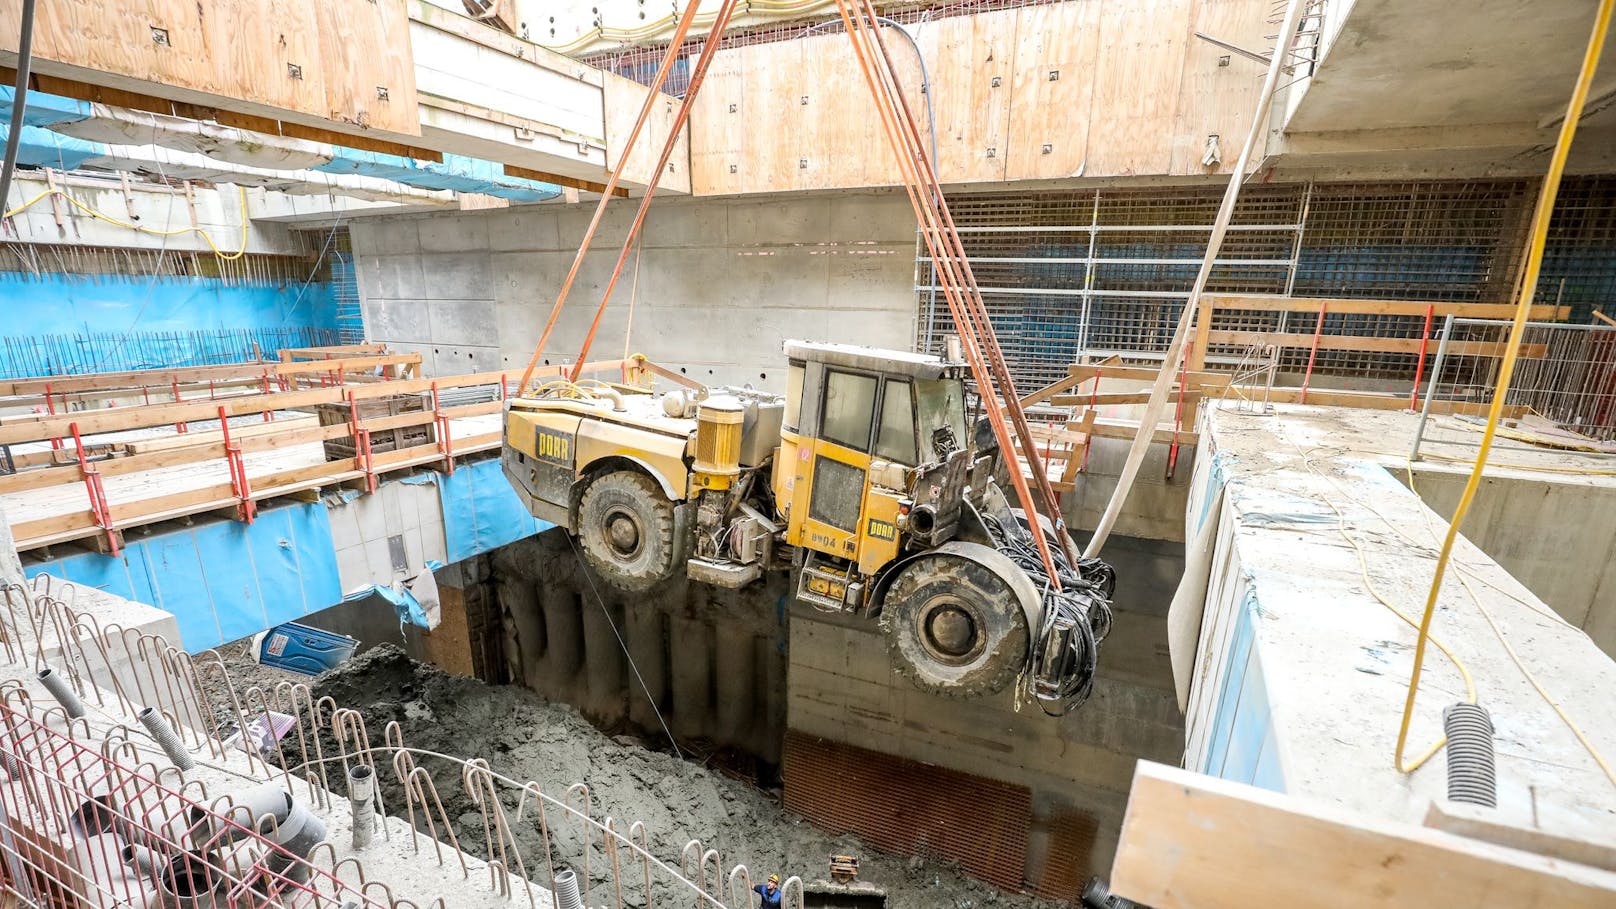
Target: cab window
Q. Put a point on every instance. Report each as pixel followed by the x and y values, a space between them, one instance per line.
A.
pixel 895 436
pixel 849 409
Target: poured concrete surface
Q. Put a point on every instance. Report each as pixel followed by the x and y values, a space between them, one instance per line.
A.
pixel 1301 672
pixel 716 288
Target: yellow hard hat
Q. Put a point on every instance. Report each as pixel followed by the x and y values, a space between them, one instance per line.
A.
pixel 774 878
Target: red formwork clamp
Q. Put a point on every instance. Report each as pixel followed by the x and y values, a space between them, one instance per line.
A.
pixel 98 494
pixel 445 440
pixel 50 408
pixel 1307 377
pixel 1419 366
pixel 269 415
pixel 361 439
pixel 174 386
pixel 238 471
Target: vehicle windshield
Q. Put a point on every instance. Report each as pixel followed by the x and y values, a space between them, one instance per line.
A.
pixel 940 405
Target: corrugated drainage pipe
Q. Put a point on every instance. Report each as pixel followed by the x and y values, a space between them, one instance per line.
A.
pixel 62 692
pixel 157 725
pixel 566 890
pixel 361 798
pixel 1472 777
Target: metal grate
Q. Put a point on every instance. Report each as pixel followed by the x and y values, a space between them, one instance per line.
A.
pixel 345 290
pixel 905 807
pixel 1068 275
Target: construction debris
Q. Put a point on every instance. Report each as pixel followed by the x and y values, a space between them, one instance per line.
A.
pixel 520 733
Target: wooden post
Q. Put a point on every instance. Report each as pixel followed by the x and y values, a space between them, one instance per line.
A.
pixel 1203 333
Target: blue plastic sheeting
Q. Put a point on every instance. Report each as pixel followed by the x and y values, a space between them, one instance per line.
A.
pixel 404 603
pixel 224 580
pixel 480 510
pixel 39 147
pixel 1243 744
pixel 54 304
pixel 43 109
pixel 456 172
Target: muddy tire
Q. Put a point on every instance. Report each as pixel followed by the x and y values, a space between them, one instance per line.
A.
pixel 625 528
pixel 953 626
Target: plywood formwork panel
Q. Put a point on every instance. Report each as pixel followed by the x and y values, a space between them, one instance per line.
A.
pixel 1216 99
pixel 773 83
pixel 718 127
pixel 622 100
pixel 1053 95
pixel 238 50
pixel 841 132
pixel 1138 72
pixel 971 59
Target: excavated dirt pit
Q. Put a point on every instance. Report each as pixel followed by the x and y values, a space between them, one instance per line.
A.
pixel 525 737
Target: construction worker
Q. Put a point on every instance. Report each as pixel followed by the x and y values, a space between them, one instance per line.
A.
pixel 769 892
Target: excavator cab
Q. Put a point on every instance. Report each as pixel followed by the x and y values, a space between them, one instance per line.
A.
pixel 861 428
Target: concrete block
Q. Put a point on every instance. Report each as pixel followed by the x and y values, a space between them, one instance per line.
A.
pixel 353 568
pixel 388 495
pixel 379 560
pixel 887 218
pixel 453 233
pixel 456 276
pixel 572 221
pixel 344 523
pixel 687 224
pixel 526 228
pixel 398 320
pixel 390 277
pixel 372 520
pixel 795 221
pixel 385 236
pixel 471 322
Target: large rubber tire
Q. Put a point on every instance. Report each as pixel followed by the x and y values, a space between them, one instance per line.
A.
pixel 953 626
pixel 625 526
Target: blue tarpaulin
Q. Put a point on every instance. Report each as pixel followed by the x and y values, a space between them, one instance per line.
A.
pixel 221 580
pixel 481 512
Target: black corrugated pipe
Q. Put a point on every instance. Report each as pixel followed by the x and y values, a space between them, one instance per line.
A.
pixel 1097 895
pixel 1471 775
pixel 25 56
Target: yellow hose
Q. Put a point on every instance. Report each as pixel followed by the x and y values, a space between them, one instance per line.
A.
pixel 1534 262
pixel 206 238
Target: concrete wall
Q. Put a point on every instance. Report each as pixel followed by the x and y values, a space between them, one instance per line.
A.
pixel 1558 537
pixel 842 688
pixel 721 284
pixel 362 525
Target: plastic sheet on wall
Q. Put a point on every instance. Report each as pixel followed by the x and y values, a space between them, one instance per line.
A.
pixel 222 580
pixel 480 510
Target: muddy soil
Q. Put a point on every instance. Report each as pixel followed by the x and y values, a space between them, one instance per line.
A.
pixel 528 738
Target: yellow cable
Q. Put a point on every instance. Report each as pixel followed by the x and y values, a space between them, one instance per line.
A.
pixel 141 228
pixel 1534 262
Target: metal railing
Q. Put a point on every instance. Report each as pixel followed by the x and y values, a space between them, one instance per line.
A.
pixel 1564 373
pixel 93 814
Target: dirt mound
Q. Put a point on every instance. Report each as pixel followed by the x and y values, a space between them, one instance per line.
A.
pixel 527 738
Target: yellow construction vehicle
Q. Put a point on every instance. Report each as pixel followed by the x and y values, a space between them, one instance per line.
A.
pixel 865 480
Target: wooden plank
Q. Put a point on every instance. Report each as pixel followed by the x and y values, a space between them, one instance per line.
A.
pixel 1127 429
pixel 325 353
pixel 1196 379
pixel 39 479
pixel 355 79
pixel 622 100
pixel 216 436
pixel 301 474
pixel 1364 343
pixel 29 534
pixel 1325 397
pixel 513 170
pixel 1413 308
pixel 126 514
pixel 1604 318
pixel 1201 334
pixel 1104 399
pixel 1053 89
pixel 136 379
pixel 1137 76
pixel 1190 840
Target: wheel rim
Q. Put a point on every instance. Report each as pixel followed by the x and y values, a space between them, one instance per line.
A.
pixel 948 630
pixel 624 536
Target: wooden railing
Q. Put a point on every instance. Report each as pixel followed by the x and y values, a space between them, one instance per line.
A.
pixel 78 456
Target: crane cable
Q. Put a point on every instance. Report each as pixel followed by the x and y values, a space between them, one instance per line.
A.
pixel 697 77
pixel 652 96
pixel 1506 371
